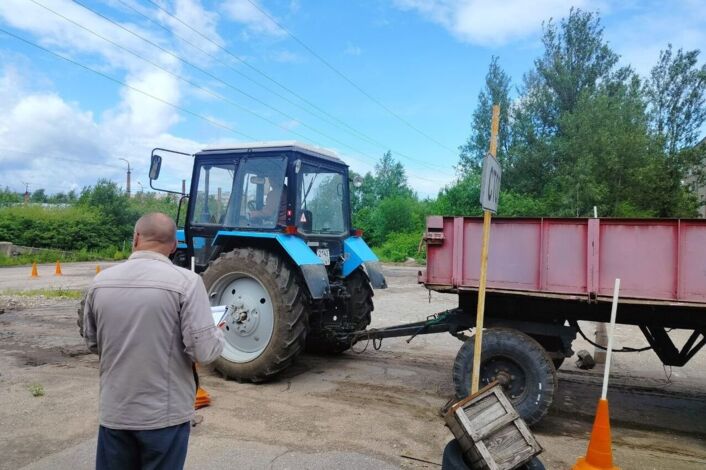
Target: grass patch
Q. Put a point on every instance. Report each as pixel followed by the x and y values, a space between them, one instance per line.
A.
pixel 72 294
pixel 51 256
pixel 37 390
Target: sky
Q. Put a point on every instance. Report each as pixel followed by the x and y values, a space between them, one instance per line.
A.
pixel 88 84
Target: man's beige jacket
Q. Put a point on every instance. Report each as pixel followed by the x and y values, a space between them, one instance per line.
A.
pixel 149 320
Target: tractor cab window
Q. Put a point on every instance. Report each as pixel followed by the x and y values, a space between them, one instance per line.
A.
pixel 320 201
pixel 214 193
pixel 261 193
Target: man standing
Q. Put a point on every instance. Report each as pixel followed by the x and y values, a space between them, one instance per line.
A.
pixel 149 321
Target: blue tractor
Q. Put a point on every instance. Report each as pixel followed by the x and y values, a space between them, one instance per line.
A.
pixel 269 228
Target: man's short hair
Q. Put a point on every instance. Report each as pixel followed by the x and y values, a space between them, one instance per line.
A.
pixel 156 227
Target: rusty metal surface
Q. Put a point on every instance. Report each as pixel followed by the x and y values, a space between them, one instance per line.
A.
pixel 659 260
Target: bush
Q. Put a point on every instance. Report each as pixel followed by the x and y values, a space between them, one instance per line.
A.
pixel 400 246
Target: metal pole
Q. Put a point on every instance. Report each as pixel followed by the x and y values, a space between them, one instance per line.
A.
pixel 129 171
pixel 609 352
pixel 480 313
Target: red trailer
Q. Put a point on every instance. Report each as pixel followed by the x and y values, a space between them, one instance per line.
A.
pixel 546 274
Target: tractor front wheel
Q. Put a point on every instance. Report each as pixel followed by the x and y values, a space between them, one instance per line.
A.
pixel 266 325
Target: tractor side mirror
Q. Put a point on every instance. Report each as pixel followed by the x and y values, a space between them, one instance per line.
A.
pixel 155 166
pixel 357 181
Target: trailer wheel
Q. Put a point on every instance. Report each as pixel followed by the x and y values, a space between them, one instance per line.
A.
pixel 267 328
pixel 453 459
pixel 360 305
pixel 518 362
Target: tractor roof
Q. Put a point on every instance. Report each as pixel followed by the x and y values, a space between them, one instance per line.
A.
pixel 278 146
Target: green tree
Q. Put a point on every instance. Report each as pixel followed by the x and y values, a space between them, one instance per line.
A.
pixel 390 178
pixel 495 91
pixel 676 94
pixel 9 197
pixel 38 196
pixel 576 58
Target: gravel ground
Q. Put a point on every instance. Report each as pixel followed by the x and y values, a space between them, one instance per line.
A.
pixel 359 410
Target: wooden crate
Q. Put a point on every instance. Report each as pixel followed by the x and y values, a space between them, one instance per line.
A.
pixel 490 432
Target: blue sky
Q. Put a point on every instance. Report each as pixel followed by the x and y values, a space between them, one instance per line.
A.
pixel 423 60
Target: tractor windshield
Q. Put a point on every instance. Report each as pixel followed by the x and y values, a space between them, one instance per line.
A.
pixel 247 194
pixel 320 201
pixel 260 198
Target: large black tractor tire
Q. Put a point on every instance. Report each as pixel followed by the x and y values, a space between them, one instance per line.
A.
pixel 361 306
pixel 280 291
pixel 518 362
pixel 453 459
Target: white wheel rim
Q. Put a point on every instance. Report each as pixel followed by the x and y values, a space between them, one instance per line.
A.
pixel 250 321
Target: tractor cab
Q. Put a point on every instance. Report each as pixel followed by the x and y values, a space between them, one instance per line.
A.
pixel 292 190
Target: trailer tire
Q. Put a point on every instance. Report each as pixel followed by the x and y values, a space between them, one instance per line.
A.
pixel 284 318
pixel 360 306
pixel 516 360
pixel 453 459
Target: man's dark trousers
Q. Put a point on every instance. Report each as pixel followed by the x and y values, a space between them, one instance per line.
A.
pixel 156 449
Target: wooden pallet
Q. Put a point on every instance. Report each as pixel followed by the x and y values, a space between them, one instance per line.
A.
pixel 490 432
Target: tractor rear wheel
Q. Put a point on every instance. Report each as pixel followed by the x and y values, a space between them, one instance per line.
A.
pixel 360 304
pixel 518 362
pixel 266 326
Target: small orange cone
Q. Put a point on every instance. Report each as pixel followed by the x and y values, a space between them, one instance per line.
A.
pixel 34 270
pixel 98 268
pixel 599 455
pixel 202 398
pixel 57 271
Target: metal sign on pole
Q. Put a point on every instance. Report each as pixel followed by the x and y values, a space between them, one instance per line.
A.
pixel 490 190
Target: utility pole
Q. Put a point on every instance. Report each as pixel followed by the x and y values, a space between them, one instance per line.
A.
pixel 128 175
pixel 26 193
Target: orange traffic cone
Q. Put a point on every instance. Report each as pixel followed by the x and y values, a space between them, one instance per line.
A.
pixel 57 271
pixel 98 268
pixel 34 270
pixel 599 455
pixel 202 398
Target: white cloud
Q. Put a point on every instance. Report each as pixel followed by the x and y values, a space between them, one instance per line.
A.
pixel 198 18
pixel 490 23
pixel 242 11
pixel 286 57
pixel 59 34
pixel 140 115
pixel 648 27
pixel 57 145
pixel 352 49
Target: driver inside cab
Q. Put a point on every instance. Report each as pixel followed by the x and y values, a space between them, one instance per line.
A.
pixel 274 204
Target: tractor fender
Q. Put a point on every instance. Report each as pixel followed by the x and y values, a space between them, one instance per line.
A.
pixel 357 253
pixel 312 268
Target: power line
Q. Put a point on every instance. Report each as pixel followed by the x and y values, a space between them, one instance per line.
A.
pixel 345 77
pixel 333 120
pixel 284 87
pixel 64 159
pixel 204 89
pixel 179 77
pixel 120 82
